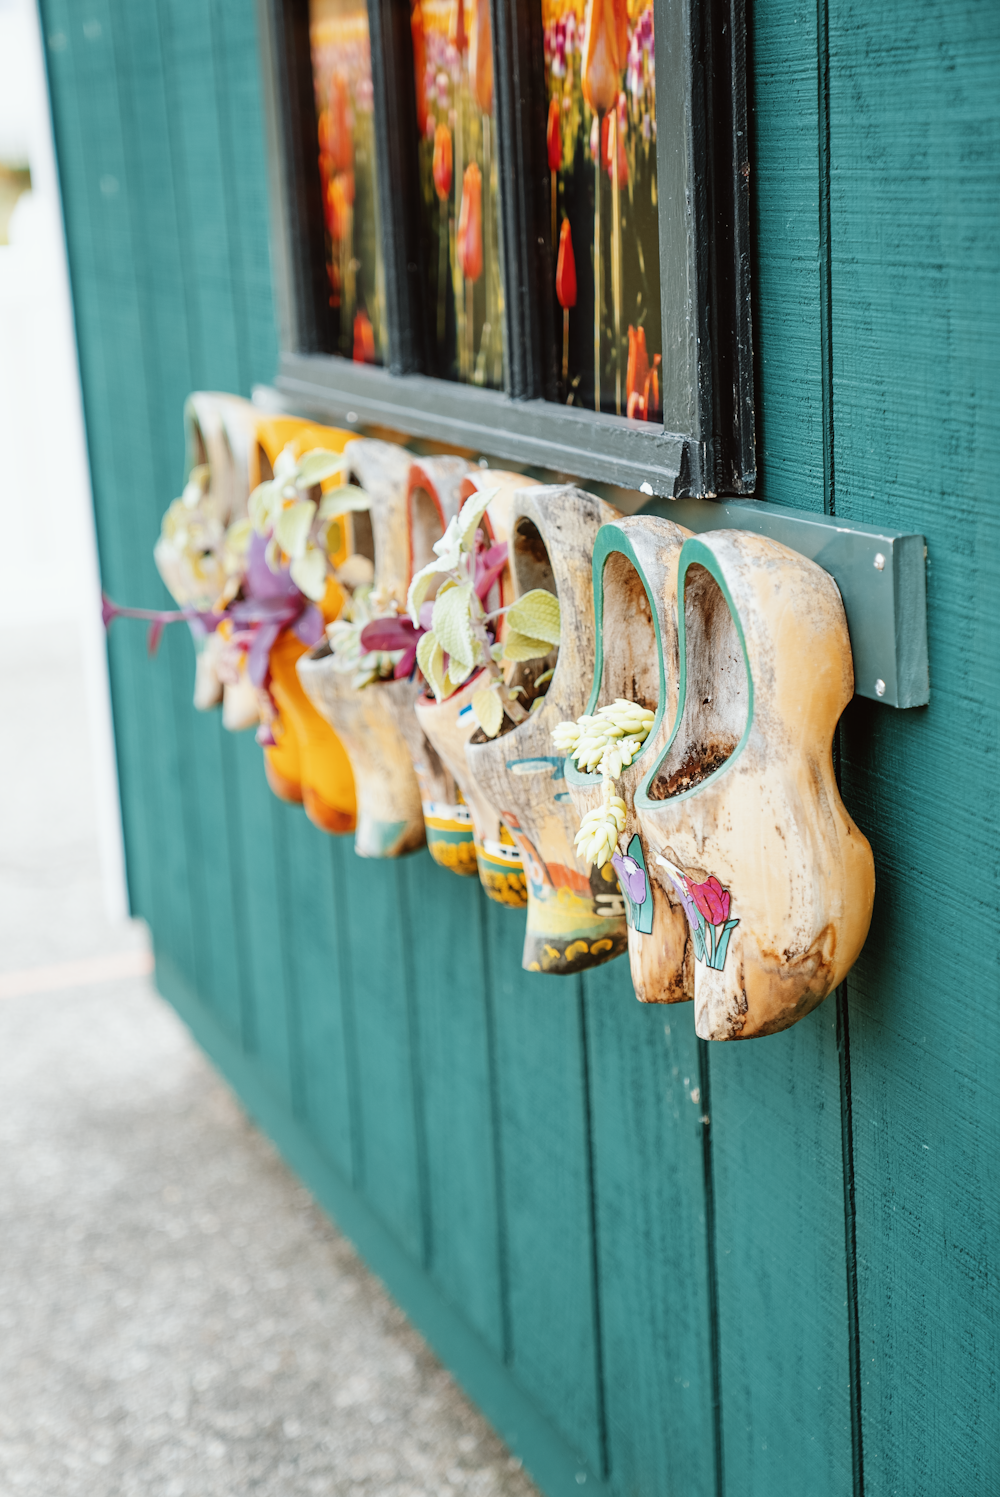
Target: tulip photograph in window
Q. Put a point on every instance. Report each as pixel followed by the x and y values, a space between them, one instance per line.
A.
pixel 456 129
pixel 342 78
pixel 601 144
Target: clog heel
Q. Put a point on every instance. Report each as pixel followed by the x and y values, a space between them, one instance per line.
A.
pixel 449 725
pixel 742 811
pixel 390 819
pixel 576 915
pixel 635 609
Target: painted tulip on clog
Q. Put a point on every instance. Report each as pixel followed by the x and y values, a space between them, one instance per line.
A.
pixel 576 914
pixel 635 609
pixel 741 812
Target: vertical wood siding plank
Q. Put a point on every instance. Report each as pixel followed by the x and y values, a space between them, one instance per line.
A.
pixel 261 933
pixel 781 1262
pixel 310 930
pixel 166 302
pixel 646 1111
pixel 915 224
pixel 377 958
pixel 117 401
pixel 784 1326
pixel 236 53
pixel 543 1103
pixel 786 286
pixel 453 1058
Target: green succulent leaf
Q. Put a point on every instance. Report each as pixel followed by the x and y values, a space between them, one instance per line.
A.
pixel 264 497
pixel 487 709
pixel 452 624
pixel 522 647
pixel 430 658
pixel 470 516
pixel 345 499
pixel 420 587
pixel 536 614
pixel 292 527
pixel 308 572
pixel 318 465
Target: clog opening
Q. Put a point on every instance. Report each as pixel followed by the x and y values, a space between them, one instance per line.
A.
pixel 534 569
pixel 199 450
pixel 717 693
pixel 426 527
pixel 628 636
pixel 264 468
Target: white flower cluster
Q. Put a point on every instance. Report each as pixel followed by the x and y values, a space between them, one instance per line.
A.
pixel 606 742
pixel 598 835
pixel 609 740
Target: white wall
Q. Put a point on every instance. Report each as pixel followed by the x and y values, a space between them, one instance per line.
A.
pixel 48 557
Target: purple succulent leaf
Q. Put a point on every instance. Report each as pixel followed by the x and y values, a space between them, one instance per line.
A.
pixel 259 657
pixel 390 634
pixel 404 665
pixel 309 626
pixel 263 584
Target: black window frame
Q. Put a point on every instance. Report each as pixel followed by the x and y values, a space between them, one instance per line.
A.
pixel 706 444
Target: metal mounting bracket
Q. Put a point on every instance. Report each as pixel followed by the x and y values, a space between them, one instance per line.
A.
pixel 881 575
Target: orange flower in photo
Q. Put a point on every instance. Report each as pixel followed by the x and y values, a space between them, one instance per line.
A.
pixel 553 136
pixel 614 123
pixel 339 144
pixel 419 64
pixel 443 162
pixel 605 49
pixel 566 269
pixel 336 207
pixel 481 55
pixel 642 382
pixel 456 28
pixel 470 224
pixel 364 339
pixel 638 369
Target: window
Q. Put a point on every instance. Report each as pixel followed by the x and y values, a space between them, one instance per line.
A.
pixel 519 227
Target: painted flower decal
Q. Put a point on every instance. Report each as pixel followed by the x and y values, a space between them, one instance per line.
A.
pixel 630 876
pixel 712 900
pixel 707 907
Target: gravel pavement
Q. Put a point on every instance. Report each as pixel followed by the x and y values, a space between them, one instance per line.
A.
pixel 177 1318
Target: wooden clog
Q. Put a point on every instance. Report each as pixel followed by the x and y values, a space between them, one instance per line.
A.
pixel 576 914
pixel 433 497
pixel 635 608
pixel 390 817
pixel 449 725
pixel 307 763
pixel 741 811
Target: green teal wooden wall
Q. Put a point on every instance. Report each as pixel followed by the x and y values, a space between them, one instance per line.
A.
pixel 767 1268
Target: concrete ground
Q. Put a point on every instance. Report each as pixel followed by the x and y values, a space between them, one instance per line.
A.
pixel 177 1318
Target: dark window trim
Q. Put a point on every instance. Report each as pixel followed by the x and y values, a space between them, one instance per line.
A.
pixel 703 193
